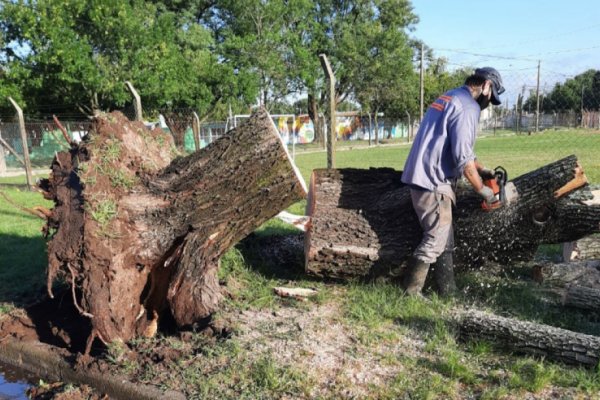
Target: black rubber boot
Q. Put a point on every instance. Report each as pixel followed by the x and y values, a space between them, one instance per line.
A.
pixel 443 274
pixel 416 272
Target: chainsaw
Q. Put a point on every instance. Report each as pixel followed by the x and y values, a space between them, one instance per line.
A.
pixel 505 192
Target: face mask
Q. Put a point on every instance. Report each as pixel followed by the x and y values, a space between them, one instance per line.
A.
pixel 483 101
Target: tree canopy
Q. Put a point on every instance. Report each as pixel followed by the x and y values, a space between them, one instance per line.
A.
pixel 73 56
pixel 576 93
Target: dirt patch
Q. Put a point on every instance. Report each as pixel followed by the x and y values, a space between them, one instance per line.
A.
pixel 319 343
pixel 64 391
pixel 52 321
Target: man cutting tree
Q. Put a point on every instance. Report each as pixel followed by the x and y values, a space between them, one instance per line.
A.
pixel 443 151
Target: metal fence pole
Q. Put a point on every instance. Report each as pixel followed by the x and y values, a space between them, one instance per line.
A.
pixel 196 130
pixel 137 103
pixel 25 146
pixel 332 130
pixel 2 158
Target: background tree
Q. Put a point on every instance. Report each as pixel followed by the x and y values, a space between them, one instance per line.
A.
pixel 77 55
pixel 378 54
pixel 574 94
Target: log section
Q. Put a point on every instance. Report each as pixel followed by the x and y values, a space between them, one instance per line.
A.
pixel 531 338
pixel 363 224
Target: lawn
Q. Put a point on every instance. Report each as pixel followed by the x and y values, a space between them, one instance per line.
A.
pixel 356 339
pixel 518 154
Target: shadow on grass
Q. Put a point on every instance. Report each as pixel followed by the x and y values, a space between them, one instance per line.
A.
pixel 517 296
pixel 23 263
pixel 275 254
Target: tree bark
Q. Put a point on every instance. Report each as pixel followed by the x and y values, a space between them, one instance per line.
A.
pixel 583 297
pixel 313 113
pixel 363 223
pixel 137 233
pixel 531 338
pixel 587 248
pixel 178 124
pixel 583 273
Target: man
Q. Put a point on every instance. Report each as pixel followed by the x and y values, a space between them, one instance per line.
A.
pixel 441 154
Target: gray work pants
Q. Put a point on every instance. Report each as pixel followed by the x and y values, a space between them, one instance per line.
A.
pixel 434 211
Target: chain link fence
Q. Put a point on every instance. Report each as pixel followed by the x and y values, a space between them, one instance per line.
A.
pixel 545 115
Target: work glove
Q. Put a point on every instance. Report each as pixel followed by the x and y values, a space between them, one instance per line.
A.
pixel 487 194
pixel 486 173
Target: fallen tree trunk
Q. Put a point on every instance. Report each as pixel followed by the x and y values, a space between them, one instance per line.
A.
pixel 531 338
pixel 583 297
pixel 135 233
pixel 363 224
pixel 582 273
pixel 587 248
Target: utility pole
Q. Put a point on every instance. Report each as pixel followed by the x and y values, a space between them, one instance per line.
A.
pixel 421 78
pixel 581 124
pixel 537 101
pixel 332 129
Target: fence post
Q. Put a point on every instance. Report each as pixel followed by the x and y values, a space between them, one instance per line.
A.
pixel 332 129
pixel 25 146
pixel 2 158
pixel 196 130
pixel 137 103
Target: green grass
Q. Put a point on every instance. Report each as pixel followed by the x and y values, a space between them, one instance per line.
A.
pixel 23 257
pixel 518 154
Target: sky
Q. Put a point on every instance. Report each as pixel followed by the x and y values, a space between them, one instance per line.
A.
pixel 512 36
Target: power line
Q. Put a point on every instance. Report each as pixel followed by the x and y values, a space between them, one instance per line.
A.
pixel 460 51
pixel 545 38
pixel 565 51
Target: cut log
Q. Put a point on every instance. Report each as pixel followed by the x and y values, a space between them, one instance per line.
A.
pixel 583 297
pixel 582 273
pixel 531 338
pixel 137 234
pixel 363 224
pixel 587 248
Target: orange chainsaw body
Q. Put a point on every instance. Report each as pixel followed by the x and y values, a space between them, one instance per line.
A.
pixel 497 184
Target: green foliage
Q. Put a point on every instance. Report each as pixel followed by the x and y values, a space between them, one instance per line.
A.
pixel 573 94
pixel 80 53
pixel 102 211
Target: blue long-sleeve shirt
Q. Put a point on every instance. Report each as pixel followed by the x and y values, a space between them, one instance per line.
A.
pixel 444 143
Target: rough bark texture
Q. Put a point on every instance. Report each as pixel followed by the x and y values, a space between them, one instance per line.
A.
pixel 581 273
pixel 363 224
pixel 178 124
pixel 531 338
pixel 136 233
pixel 587 248
pixel 583 297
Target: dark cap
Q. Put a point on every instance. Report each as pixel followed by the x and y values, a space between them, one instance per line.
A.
pixel 493 75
